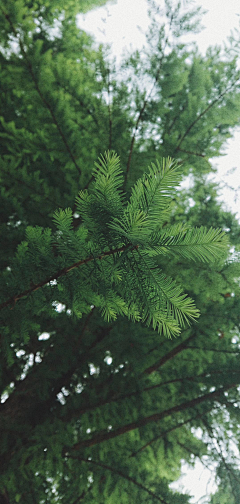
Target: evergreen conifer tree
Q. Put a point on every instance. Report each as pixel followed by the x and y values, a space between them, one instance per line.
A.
pixel 107 369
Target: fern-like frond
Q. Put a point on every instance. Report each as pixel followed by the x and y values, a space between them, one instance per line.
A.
pixel 112 305
pixel 63 219
pixel 108 175
pixel 172 299
pixel 164 324
pixel 104 201
pixel 194 244
pixel 106 189
pixel 150 201
pixel 130 284
pixel 162 303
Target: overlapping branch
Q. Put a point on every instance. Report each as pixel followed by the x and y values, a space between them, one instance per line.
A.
pixel 142 422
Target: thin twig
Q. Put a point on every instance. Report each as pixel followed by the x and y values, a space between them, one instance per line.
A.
pixel 109 111
pixel 191 153
pixel 117 397
pixel 142 110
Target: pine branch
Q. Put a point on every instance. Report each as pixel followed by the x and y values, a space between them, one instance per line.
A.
pixel 119 473
pixel 114 397
pixel 191 153
pixel 229 472
pixel 83 494
pixel 27 388
pixel 142 422
pixel 64 379
pixel 176 426
pixel 48 106
pixel 200 244
pixel 191 452
pixel 12 301
pixel 221 95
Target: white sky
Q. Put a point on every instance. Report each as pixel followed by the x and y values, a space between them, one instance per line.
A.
pixel 117 24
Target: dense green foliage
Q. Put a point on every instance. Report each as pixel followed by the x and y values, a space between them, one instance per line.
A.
pixel 229 488
pixel 106 263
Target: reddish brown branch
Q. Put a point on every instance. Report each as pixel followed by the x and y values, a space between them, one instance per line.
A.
pixel 62 272
pixel 169 355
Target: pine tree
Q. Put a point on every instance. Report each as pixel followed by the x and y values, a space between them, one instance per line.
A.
pixel 107 369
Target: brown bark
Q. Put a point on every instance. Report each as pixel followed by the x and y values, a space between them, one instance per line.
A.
pixel 141 422
pixel 169 355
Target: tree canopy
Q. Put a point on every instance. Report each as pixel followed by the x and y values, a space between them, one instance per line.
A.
pixel 119 294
